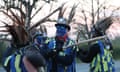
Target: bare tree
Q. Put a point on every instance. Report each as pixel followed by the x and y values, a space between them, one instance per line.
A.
pixel 91 11
pixel 20 13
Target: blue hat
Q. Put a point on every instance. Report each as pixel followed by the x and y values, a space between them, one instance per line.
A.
pixel 62 22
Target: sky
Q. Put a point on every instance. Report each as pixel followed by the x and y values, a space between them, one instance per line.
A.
pixel 115 2
pixel 112 31
pixel 51 29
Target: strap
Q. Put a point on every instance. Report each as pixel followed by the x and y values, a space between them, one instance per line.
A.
pixel 17 63
pixel 101 48
pixel 7 60
pixel 12 64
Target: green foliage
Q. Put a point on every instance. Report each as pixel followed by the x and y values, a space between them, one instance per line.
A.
pixel 116 48
pixel 116 53
pixel 116 42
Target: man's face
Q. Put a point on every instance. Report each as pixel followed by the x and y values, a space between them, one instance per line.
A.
pixel 61 31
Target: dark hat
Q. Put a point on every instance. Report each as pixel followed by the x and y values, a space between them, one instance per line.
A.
pixel 34 56
pixel 62 22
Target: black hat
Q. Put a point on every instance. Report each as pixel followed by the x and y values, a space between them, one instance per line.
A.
pixel 34 56
pixel 62 22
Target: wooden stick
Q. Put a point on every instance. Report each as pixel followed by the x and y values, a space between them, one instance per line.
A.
pixel 85 41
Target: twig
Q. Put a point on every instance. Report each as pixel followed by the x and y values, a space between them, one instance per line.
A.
pixel 41 21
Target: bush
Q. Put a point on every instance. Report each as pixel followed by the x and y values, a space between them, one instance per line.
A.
pixel 116 46
pixel 116 53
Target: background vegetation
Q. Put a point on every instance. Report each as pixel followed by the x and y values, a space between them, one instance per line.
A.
pixel 116 46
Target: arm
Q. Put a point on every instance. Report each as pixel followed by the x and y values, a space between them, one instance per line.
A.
pixel 87 56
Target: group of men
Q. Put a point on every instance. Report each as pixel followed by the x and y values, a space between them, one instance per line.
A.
pixel 57 59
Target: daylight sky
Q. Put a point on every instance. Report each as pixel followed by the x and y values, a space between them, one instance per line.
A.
pixel 51 29
pixel 113 31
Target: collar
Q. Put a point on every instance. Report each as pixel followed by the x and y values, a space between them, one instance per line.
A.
pixel 64 38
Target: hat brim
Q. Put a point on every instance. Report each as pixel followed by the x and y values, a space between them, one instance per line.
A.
pixel 67 26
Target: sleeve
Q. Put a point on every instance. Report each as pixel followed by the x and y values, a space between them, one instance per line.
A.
pixel 44 51
pixel 67 57
pixel 87 56
pixel 47 50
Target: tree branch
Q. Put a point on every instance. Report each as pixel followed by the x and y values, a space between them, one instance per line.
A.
pixel 36 12
pixel 44 19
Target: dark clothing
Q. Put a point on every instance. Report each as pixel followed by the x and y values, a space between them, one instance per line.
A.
pixel 99 57
pixel 87 56
pixel 13 59
pixel 59 60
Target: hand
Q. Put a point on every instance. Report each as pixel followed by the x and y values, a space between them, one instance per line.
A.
pixel 52 53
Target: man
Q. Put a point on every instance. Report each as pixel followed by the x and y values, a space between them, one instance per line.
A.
pixel 99 55
pixel 22 56
pixel 59 59
pixel 29 61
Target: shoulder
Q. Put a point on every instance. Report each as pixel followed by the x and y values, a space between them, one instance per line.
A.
pixel 49 40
